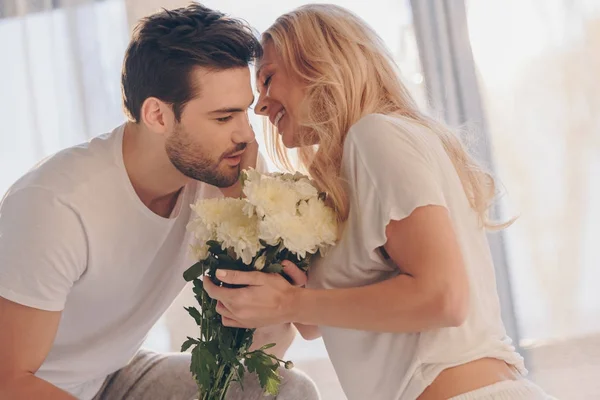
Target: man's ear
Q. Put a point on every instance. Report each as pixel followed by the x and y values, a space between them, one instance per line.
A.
pixel 157 115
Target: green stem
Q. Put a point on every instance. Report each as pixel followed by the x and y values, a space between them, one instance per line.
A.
pixel 227 382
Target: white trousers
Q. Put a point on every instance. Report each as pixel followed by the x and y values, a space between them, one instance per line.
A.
pixel 521 389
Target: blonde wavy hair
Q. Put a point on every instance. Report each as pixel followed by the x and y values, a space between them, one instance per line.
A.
pixel 348 73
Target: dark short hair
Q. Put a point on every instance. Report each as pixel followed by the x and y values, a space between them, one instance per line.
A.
pixel 167 46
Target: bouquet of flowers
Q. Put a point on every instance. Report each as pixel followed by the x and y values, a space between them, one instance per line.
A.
pixel 282 217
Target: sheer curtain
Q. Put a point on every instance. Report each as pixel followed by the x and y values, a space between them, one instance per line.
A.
pixel 538 64
pixel 59 77
pixel 454 94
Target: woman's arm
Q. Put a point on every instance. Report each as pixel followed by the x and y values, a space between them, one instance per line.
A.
pixel 433 294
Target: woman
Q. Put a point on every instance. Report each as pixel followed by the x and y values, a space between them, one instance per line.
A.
pixel 406 301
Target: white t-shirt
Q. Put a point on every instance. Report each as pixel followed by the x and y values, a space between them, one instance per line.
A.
pixel 74 236
pixel 392 166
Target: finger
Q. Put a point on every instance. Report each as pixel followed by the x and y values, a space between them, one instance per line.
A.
pixel 215 292
pixel 253 278
pixel 223 310
pixel 295 273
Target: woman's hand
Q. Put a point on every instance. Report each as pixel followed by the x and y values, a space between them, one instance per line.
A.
pixel 268 299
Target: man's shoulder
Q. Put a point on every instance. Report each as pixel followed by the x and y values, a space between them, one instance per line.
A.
pixel 67 170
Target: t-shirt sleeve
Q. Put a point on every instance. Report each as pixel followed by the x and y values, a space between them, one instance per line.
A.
pixel 43 249
pixel 393 172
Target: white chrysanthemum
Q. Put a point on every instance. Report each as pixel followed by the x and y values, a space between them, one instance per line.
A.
pixel 249 209
pixel 290 229
pixel 279 209
pixel 212 212
pixel 287 176
pixel 302 184
pixel 305 189
pixel 312 228
pixel 226 221
pixel 322 221
pixel 276 193
pixel 270 195
pixel 201 234
pixel 241 234
pixel 199 251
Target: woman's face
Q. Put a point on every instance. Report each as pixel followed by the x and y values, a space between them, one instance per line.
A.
pixel 280 96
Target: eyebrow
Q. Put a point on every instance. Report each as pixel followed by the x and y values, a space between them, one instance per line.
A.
pixel 232 109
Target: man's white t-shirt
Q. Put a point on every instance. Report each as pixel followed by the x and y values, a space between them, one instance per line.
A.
pixel 74 236
pixel 393 166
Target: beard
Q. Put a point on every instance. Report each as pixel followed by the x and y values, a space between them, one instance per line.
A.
pixel 193 161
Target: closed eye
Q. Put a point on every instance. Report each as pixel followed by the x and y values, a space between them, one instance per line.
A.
pixel 225 119
pixel 267 81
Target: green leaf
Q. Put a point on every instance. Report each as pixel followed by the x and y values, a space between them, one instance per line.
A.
pixel 200 367
pixel 224 258
pixel 284 254
pixel 275 268
pixel 272 383
pixel 243 178
pixel 213 347
pixel 266 370
pixel 271 254
pixel 194 271
pixel 214 247
pixel 188 343
pixel 211 260
pixel 229 355
pixel 243 340
pixel 198 287
pixel 268 346
pixel 193 311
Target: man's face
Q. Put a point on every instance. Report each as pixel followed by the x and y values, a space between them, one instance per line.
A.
pixel 208 143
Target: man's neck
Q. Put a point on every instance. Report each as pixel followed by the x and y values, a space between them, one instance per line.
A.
pixel 153 177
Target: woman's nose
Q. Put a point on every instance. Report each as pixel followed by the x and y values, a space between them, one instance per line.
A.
pixel 262 106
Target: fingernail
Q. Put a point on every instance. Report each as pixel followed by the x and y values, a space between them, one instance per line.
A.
pixel 221 273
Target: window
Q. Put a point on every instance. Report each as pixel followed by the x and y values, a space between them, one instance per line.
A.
pixel 538 66
pixel 60 71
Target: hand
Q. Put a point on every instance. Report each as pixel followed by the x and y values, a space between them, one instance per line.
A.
pixel 267 300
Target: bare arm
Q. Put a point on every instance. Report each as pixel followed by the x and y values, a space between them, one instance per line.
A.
pixel 26 337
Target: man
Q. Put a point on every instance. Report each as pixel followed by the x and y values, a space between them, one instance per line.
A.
pixel 93 240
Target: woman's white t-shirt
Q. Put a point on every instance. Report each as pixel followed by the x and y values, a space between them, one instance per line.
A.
pixel 393 166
